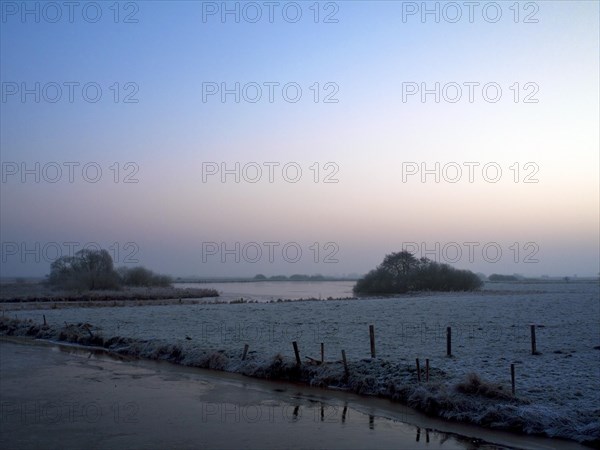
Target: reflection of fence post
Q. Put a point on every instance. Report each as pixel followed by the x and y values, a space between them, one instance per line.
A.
pixel 418 371
pixel 322 352
pixel 372 338
pixel 512 378
pixel 427 369
pixel 297 353
pixel 533 343
pixel 245 352
pixel 346 371
pixel 448 341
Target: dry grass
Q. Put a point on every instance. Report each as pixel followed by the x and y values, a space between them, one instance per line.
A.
pixel 474 385
pixel 13 294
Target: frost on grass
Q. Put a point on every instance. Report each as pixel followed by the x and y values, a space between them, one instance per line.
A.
pixel 476 386
pixel 472 399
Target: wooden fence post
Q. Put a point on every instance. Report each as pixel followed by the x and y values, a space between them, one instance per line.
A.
pixel 346 371
pixel 533 343
pixel 245 352
pixel 418 371
pixel 512 378
pixel 297 353
pixel 372 338
pixel 448 341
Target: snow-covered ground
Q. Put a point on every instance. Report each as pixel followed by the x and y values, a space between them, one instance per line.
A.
pixel 490 330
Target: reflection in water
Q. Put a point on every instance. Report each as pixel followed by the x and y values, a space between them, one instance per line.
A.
pixel 418 437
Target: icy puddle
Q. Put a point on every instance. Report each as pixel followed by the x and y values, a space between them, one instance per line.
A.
pixel 68 397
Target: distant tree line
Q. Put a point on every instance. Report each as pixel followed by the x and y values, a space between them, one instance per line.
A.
pixel 94 270
pixel 402 272
pixel 295 277
pixel 498 277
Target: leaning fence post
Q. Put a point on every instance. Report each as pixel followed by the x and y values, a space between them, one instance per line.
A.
pixel 297 353
pixel 346 371
pixel 245 352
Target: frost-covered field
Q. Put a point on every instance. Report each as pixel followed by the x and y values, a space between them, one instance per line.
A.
pixel 490 330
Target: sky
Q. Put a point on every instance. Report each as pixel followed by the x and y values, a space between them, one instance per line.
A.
pixel 234 138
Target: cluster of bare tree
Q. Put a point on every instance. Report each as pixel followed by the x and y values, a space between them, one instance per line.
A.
pixel 402 272
pixel 94 270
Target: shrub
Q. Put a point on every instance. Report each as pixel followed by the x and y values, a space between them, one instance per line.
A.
pixel 402 272
pixel 142 277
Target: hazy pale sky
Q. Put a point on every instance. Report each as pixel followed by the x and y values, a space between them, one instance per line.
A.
pixel 301 137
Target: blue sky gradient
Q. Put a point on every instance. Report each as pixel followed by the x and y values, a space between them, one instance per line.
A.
pixel 368 134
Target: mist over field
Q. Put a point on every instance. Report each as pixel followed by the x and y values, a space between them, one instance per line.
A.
pixel 388 210
pixel 217 139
